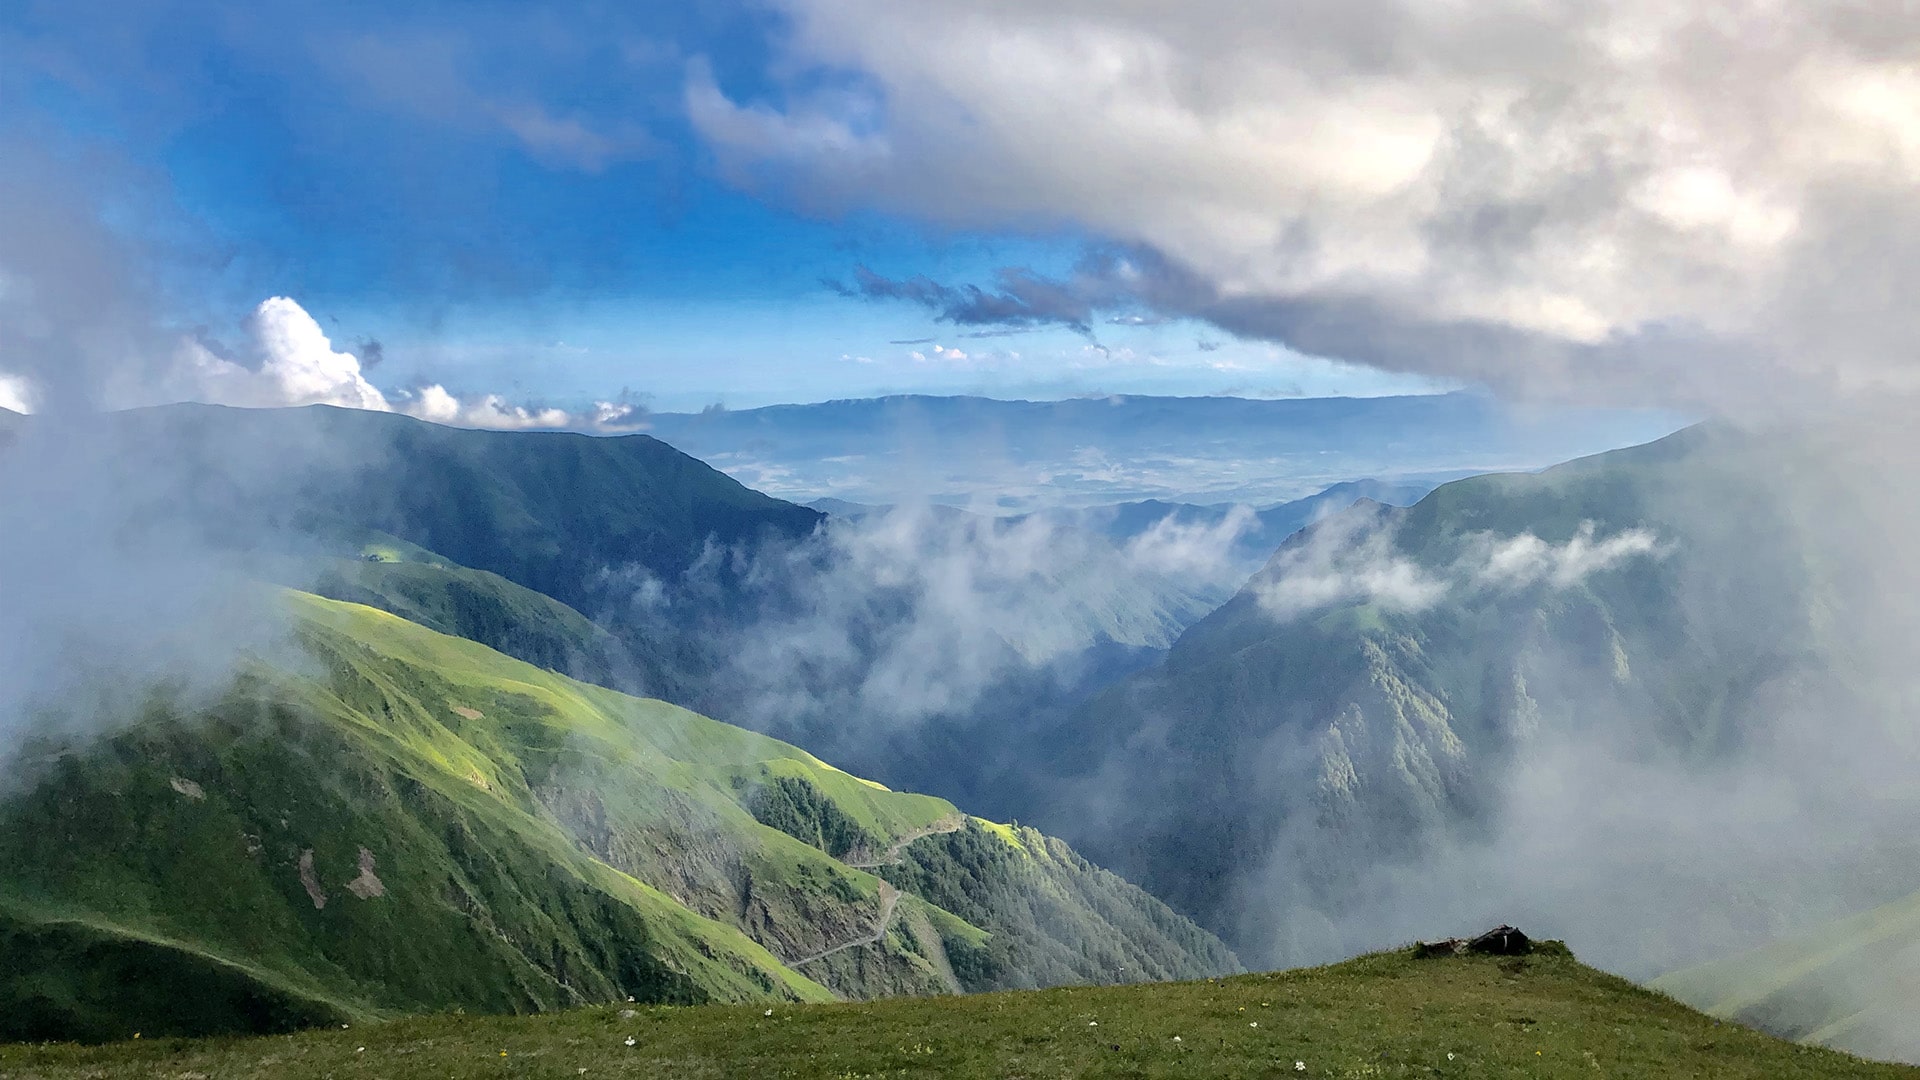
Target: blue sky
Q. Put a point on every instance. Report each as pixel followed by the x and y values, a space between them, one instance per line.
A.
pixel 754 200
pixel 514 202
pixel 511 202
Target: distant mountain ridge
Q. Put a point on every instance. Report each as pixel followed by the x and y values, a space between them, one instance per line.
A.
pixel 654 547
pixel 589 522
pixel 1033 455
pixel 550 510
pixel 1268 527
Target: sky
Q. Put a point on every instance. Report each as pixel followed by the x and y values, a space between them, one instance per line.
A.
pixel 506 213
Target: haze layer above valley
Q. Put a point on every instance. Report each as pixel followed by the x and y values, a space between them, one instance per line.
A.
pixel 1014 456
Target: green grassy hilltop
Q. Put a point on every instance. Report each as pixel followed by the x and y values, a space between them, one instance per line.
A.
pixel 1385 1016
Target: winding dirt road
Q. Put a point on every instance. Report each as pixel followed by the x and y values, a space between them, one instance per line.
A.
pixel 950 823
pixel 889 896
pixel 889 899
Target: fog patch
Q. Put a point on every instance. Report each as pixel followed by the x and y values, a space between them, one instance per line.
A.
pixel 1346 559
pixel 909 613
pixel 117 598
pixel 1523 560
pixel 1193 550
pixel 1353 558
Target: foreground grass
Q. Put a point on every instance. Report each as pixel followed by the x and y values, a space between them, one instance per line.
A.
pixel 1385 1015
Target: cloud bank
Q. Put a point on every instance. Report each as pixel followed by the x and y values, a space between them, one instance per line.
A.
pixel 1625 199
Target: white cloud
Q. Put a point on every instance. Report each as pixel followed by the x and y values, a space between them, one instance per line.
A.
pixel 1626 196
pixel 1193 551
pixel 1352 558
pixel 566 140
pixel 616 416
pixel 918 611
pixel 1526 559
pixel 1349 558
pixel 16 393
pixel 435 403
pixel 297 365
pixel 288 360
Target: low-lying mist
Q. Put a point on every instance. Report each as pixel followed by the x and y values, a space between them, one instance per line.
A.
pixel 916 643
pixel 1660 706
pixel 122 588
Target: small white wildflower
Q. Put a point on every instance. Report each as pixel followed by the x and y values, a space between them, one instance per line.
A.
pixel 630 1040
pixel 343 1027
pixel 629 1001
pixel 359 1049
pixel 1256 1023
pixel 1176 1038
pixel 1449 1057
pixel 1299 1066
pixel 769 1012
pixel 1093 1023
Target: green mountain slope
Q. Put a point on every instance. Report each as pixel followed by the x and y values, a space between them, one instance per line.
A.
pixel 390 820
pixel 596 523
pixel 1387 1016
pixel 549 510
pixel 424 587
pixel 1854 984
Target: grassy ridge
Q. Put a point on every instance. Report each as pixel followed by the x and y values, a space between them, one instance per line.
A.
pixel 633 776
pixel 1380 1016
pixel 474 604
pixel 237 835
pixel 1023 883
pixel 397 821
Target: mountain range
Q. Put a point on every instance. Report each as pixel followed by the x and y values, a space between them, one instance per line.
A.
pixel 1611 699
pixel 378 813
pixel 1615 699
